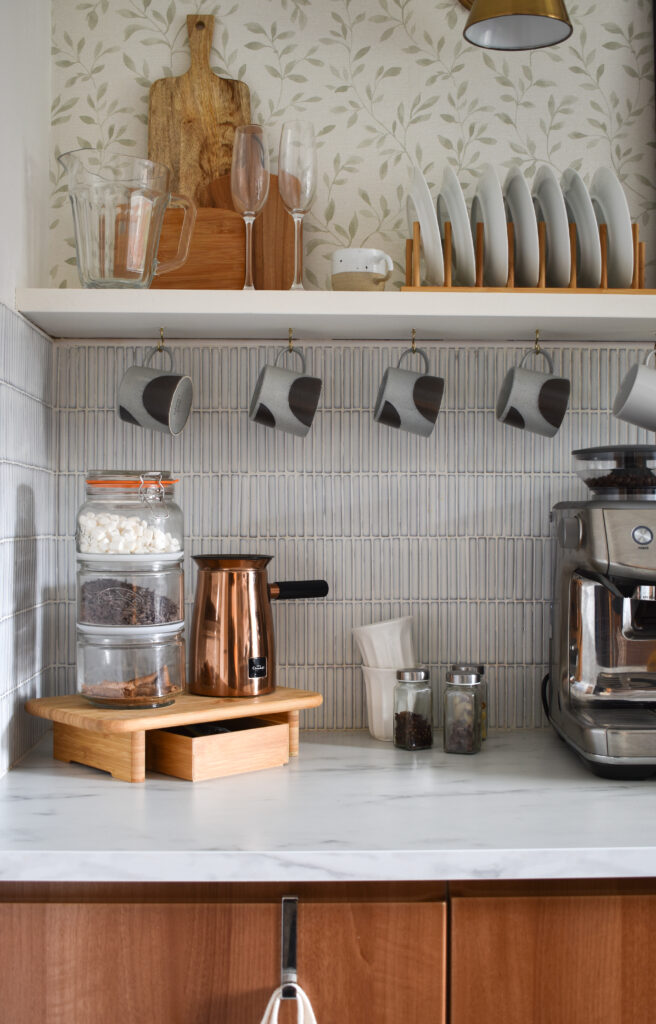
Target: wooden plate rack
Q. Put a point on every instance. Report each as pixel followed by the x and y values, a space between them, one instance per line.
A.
pixel 413 262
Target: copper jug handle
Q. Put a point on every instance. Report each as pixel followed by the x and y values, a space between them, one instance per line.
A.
pixel 292 590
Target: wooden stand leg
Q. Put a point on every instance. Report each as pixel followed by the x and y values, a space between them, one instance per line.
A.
pixel 408 261
pixel 416 255
pixel 292 718
pixel 123 755
pixel 642 253
pixel 510 283
pixel 572 255
pixel 603 239
pixel 542 246
pixel 635 230
pixel 448 255
pixel 480 253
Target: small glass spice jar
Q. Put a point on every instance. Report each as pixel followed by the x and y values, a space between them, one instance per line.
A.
pixel 413 709
pixel 463 709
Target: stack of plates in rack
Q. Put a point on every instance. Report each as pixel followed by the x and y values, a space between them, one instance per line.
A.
pixel 556 202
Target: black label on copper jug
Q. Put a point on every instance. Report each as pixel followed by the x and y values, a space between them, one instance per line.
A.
pixel 257 668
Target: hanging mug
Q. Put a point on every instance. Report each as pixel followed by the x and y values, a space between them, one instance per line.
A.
pixel 635 401
pixel 155 399
pixel 408 400
pixel 284 399
pixel 532 400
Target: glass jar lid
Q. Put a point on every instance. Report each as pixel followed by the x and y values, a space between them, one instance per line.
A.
pixel 413 675
pixel 129 479
pixel 465 674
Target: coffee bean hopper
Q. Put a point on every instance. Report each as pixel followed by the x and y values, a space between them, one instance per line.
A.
pixel 232 642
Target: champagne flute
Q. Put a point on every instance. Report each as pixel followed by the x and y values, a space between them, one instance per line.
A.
pixel 297 179
pixel 249 183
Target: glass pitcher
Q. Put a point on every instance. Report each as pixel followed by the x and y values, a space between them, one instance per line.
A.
pixel 119 204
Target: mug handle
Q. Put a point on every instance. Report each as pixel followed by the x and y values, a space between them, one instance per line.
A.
pixel 293 351
pixel 189 207
pixel 415 352
pixel 649 356
pixel 540 352
pixel 163 350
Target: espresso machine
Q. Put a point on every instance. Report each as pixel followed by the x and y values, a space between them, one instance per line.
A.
pixel 600 693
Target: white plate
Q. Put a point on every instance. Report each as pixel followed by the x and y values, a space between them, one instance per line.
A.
pixel 581 212
pixel 520 211
pixel 550 207
pixel 488 208
pixel 451 206
pixel 419 206
pixel 612 209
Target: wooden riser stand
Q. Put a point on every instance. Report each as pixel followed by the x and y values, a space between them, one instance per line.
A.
pixel 118 741
pixel 413 262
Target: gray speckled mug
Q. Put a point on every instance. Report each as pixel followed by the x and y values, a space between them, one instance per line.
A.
pixel 407 400
pixel 283 399
pixel 531 400
pixel 155 399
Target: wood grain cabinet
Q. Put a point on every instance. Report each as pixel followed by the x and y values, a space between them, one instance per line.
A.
pixel 159 955
pixel 553 954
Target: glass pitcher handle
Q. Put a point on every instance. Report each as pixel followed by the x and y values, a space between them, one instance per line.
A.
pixel 189 207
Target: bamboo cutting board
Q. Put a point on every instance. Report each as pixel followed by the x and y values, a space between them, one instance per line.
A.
pixel 192 117
pixel 217 251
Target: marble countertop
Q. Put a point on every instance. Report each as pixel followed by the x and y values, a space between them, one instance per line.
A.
pixel 349 808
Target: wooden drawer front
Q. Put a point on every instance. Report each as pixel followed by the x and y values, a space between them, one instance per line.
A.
pixel 553 960
pixel 153 963
pixel 210 757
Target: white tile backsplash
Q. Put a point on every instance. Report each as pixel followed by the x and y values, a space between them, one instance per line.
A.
pixel 452 529
pixel 28 544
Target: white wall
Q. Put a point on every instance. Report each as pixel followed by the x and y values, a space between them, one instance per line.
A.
pixel 25 29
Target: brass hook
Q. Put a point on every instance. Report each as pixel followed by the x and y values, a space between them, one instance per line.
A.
pixel 414 342
pixel 291 343
pixel 537 343
pixel 160 343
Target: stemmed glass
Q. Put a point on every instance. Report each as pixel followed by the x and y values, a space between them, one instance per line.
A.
pixel 297 179
pixel 249 182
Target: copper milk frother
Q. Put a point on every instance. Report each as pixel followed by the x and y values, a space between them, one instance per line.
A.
pixel 232 646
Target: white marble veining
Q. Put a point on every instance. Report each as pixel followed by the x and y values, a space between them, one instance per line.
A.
pixel 349 808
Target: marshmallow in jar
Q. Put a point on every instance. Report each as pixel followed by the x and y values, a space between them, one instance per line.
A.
pixel 130 513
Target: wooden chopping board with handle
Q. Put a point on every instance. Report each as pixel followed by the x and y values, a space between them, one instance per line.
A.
pixel 192 118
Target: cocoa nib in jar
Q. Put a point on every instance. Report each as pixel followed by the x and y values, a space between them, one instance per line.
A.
pixel 412 731
pixel 114 602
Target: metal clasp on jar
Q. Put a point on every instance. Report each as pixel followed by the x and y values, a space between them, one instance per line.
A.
pixel 152 497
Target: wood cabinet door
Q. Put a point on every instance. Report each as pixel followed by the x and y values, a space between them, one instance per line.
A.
pixel 553 960
pixel 217 963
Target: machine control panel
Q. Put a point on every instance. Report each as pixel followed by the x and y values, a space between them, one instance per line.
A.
pixel 630 535
pixel 642 535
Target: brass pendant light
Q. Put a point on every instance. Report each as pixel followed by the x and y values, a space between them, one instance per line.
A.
pixel 516 24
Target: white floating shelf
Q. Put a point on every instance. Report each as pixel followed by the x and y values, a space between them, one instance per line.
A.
pixel 358 316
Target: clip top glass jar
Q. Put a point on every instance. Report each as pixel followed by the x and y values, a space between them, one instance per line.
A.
pixel 130 514
pixel 413 709
pixel 463 709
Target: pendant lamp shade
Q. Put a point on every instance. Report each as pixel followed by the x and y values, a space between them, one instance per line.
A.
pixel 517 24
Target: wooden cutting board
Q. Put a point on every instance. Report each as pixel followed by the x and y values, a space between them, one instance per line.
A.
pixel 192 117
pixel 217 255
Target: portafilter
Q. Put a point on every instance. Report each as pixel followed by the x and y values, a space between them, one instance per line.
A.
pixel 232 642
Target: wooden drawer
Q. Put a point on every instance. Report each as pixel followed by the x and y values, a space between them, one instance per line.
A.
pixel 199 751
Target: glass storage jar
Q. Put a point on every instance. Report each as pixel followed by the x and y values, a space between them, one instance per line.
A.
pixel 130 513
pixel 463 709
pixel 130 591
pixel 413 709
pixel 131 668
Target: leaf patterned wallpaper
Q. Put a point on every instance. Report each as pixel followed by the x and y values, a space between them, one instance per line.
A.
pixel 386 83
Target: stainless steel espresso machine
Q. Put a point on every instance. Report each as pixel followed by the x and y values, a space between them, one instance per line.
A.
pixel 600 694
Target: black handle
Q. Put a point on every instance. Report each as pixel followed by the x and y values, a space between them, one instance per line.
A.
pixel 292 590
